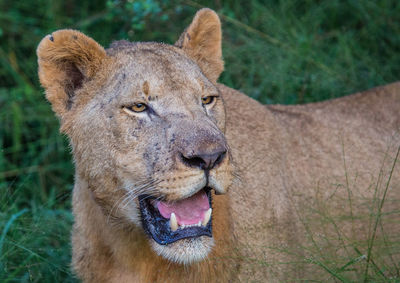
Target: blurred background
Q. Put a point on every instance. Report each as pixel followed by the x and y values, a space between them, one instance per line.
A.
pixel 288 52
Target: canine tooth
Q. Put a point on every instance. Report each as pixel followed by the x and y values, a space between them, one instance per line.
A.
pixel 172 222
pixel 207 217
pixel 199 224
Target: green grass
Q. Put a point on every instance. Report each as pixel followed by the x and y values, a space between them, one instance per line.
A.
pixel 275 51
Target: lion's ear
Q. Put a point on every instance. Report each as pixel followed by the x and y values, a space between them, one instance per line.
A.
pixel 67 58
pixel 202 42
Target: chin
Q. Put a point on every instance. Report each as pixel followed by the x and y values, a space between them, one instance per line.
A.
pixel 185 251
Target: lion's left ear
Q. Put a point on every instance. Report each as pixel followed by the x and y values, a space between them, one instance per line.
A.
pixel 202 42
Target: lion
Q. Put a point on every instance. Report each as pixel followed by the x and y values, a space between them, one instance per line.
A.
pixel 181 179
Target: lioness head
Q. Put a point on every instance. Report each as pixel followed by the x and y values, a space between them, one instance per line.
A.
pixel 146 123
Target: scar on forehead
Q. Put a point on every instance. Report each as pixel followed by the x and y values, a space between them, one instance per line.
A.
pixel 146 88
pixel 200 82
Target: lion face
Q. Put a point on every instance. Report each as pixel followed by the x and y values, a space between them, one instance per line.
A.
pixel 164 130
pixel 146 123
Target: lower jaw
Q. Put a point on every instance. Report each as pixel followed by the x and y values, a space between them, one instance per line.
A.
pixel 186 251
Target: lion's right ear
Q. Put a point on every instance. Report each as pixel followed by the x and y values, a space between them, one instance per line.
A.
pixel 67 58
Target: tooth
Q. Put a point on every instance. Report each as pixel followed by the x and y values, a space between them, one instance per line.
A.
pixel 207 217
pixel 199 224
pixel 172 222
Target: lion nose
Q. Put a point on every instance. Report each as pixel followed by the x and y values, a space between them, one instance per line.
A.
pixel 205 160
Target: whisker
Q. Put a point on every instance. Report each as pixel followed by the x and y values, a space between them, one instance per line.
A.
pixel 149 188
pixel 131 194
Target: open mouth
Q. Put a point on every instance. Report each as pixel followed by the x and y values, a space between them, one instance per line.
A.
pixel 168 222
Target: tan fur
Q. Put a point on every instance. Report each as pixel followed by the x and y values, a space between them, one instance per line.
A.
pixel 287 166
pixel 58 56
pixel 202 42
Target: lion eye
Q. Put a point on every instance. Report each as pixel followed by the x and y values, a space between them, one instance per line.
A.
pixel 137 107
pixel 207 100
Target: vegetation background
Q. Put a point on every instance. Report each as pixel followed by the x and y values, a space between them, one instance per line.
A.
pixel 288 51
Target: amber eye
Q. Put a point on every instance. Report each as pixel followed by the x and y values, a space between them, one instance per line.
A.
pixel 207 100
pixel 137 107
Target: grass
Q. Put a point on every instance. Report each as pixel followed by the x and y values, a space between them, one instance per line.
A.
pixel 275 51
pixel 352 259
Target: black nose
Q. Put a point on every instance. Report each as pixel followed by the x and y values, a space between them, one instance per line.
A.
pixel 205 161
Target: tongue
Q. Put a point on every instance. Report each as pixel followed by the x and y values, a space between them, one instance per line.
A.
pixel 187 211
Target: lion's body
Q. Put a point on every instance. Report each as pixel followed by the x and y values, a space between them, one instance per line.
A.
pixel 304 181
pixel 293 188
